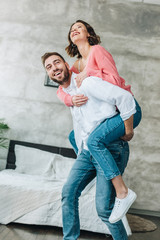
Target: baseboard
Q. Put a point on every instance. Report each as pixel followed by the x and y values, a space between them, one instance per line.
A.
pixel 144 212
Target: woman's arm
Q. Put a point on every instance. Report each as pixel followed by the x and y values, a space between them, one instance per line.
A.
pixel 80 77
pixel 102 65
pixel 76 100
pixel 64 97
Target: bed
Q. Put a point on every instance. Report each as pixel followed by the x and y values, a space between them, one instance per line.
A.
pixel 31 184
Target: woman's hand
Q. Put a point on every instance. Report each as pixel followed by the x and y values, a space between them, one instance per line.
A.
pixel 80 77
pixel 79 100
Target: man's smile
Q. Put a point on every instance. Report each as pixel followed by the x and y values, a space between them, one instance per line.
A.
pixel 57 73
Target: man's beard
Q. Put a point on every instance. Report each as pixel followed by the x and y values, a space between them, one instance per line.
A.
pixel 64 80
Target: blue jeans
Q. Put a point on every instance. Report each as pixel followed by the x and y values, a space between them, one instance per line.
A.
pixel 84 170
pixel 108 131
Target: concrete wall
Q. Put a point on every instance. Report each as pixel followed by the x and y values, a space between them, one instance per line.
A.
pixel 129 29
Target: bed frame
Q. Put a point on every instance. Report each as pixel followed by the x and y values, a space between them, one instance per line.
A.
pixel 11 159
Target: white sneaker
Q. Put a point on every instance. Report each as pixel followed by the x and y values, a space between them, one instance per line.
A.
pixel 121 206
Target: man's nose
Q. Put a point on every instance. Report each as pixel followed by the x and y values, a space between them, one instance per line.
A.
pixel 54 68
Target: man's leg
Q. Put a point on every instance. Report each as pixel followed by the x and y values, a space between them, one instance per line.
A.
pixel 73 142
pixel 120 151
pixel 105 192
pixel 82 172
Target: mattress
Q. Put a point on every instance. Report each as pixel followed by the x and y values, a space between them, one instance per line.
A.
pixel 36 200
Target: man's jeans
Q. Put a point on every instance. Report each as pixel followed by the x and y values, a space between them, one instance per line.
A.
pixel 108 131
pixel 84 170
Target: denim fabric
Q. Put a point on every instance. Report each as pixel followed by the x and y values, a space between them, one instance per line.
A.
pixel 73 142
pixel 83 171
pixel 108 131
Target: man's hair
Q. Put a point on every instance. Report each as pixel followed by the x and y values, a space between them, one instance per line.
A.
pixel 48 54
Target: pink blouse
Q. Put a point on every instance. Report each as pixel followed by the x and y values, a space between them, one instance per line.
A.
pixel 100 64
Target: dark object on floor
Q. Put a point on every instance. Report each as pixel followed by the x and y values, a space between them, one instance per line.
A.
pixel 139 224
pixel 108 237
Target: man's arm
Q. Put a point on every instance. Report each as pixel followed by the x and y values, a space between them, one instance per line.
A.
pixel 129 133
pixel 110 93
pixel 116 96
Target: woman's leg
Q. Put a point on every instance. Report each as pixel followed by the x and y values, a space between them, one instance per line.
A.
pixel 105 193
pixel 118 183
pixel 107 132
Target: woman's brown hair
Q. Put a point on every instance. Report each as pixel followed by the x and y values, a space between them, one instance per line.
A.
pixel 93 39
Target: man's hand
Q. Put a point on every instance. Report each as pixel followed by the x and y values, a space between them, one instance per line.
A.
pixel 127 137
pixel 79 100
pixel 129 133
pixel 80 77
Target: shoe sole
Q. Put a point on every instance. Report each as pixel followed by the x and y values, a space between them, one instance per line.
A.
pixel 132 201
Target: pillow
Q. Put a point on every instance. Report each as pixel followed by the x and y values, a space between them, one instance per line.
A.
pixel 34 161
pixel 63 166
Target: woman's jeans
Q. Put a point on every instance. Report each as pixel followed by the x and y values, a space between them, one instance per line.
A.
pixel 84 170
pixel 108 131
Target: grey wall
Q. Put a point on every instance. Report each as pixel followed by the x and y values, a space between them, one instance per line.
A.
pixel 129 29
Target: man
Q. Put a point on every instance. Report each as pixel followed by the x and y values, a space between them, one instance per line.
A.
pixel 85 167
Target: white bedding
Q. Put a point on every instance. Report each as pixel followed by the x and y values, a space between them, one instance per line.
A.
pixel 34 199
pixel 22 193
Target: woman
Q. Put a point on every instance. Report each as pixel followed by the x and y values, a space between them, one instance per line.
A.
pixel 94 60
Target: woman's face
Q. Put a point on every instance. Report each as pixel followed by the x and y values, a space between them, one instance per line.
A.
pixel 78 32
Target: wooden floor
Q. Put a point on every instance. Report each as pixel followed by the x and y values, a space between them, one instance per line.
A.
pixel 15 231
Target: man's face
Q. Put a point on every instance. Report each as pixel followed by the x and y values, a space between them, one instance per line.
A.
pixel 57 69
